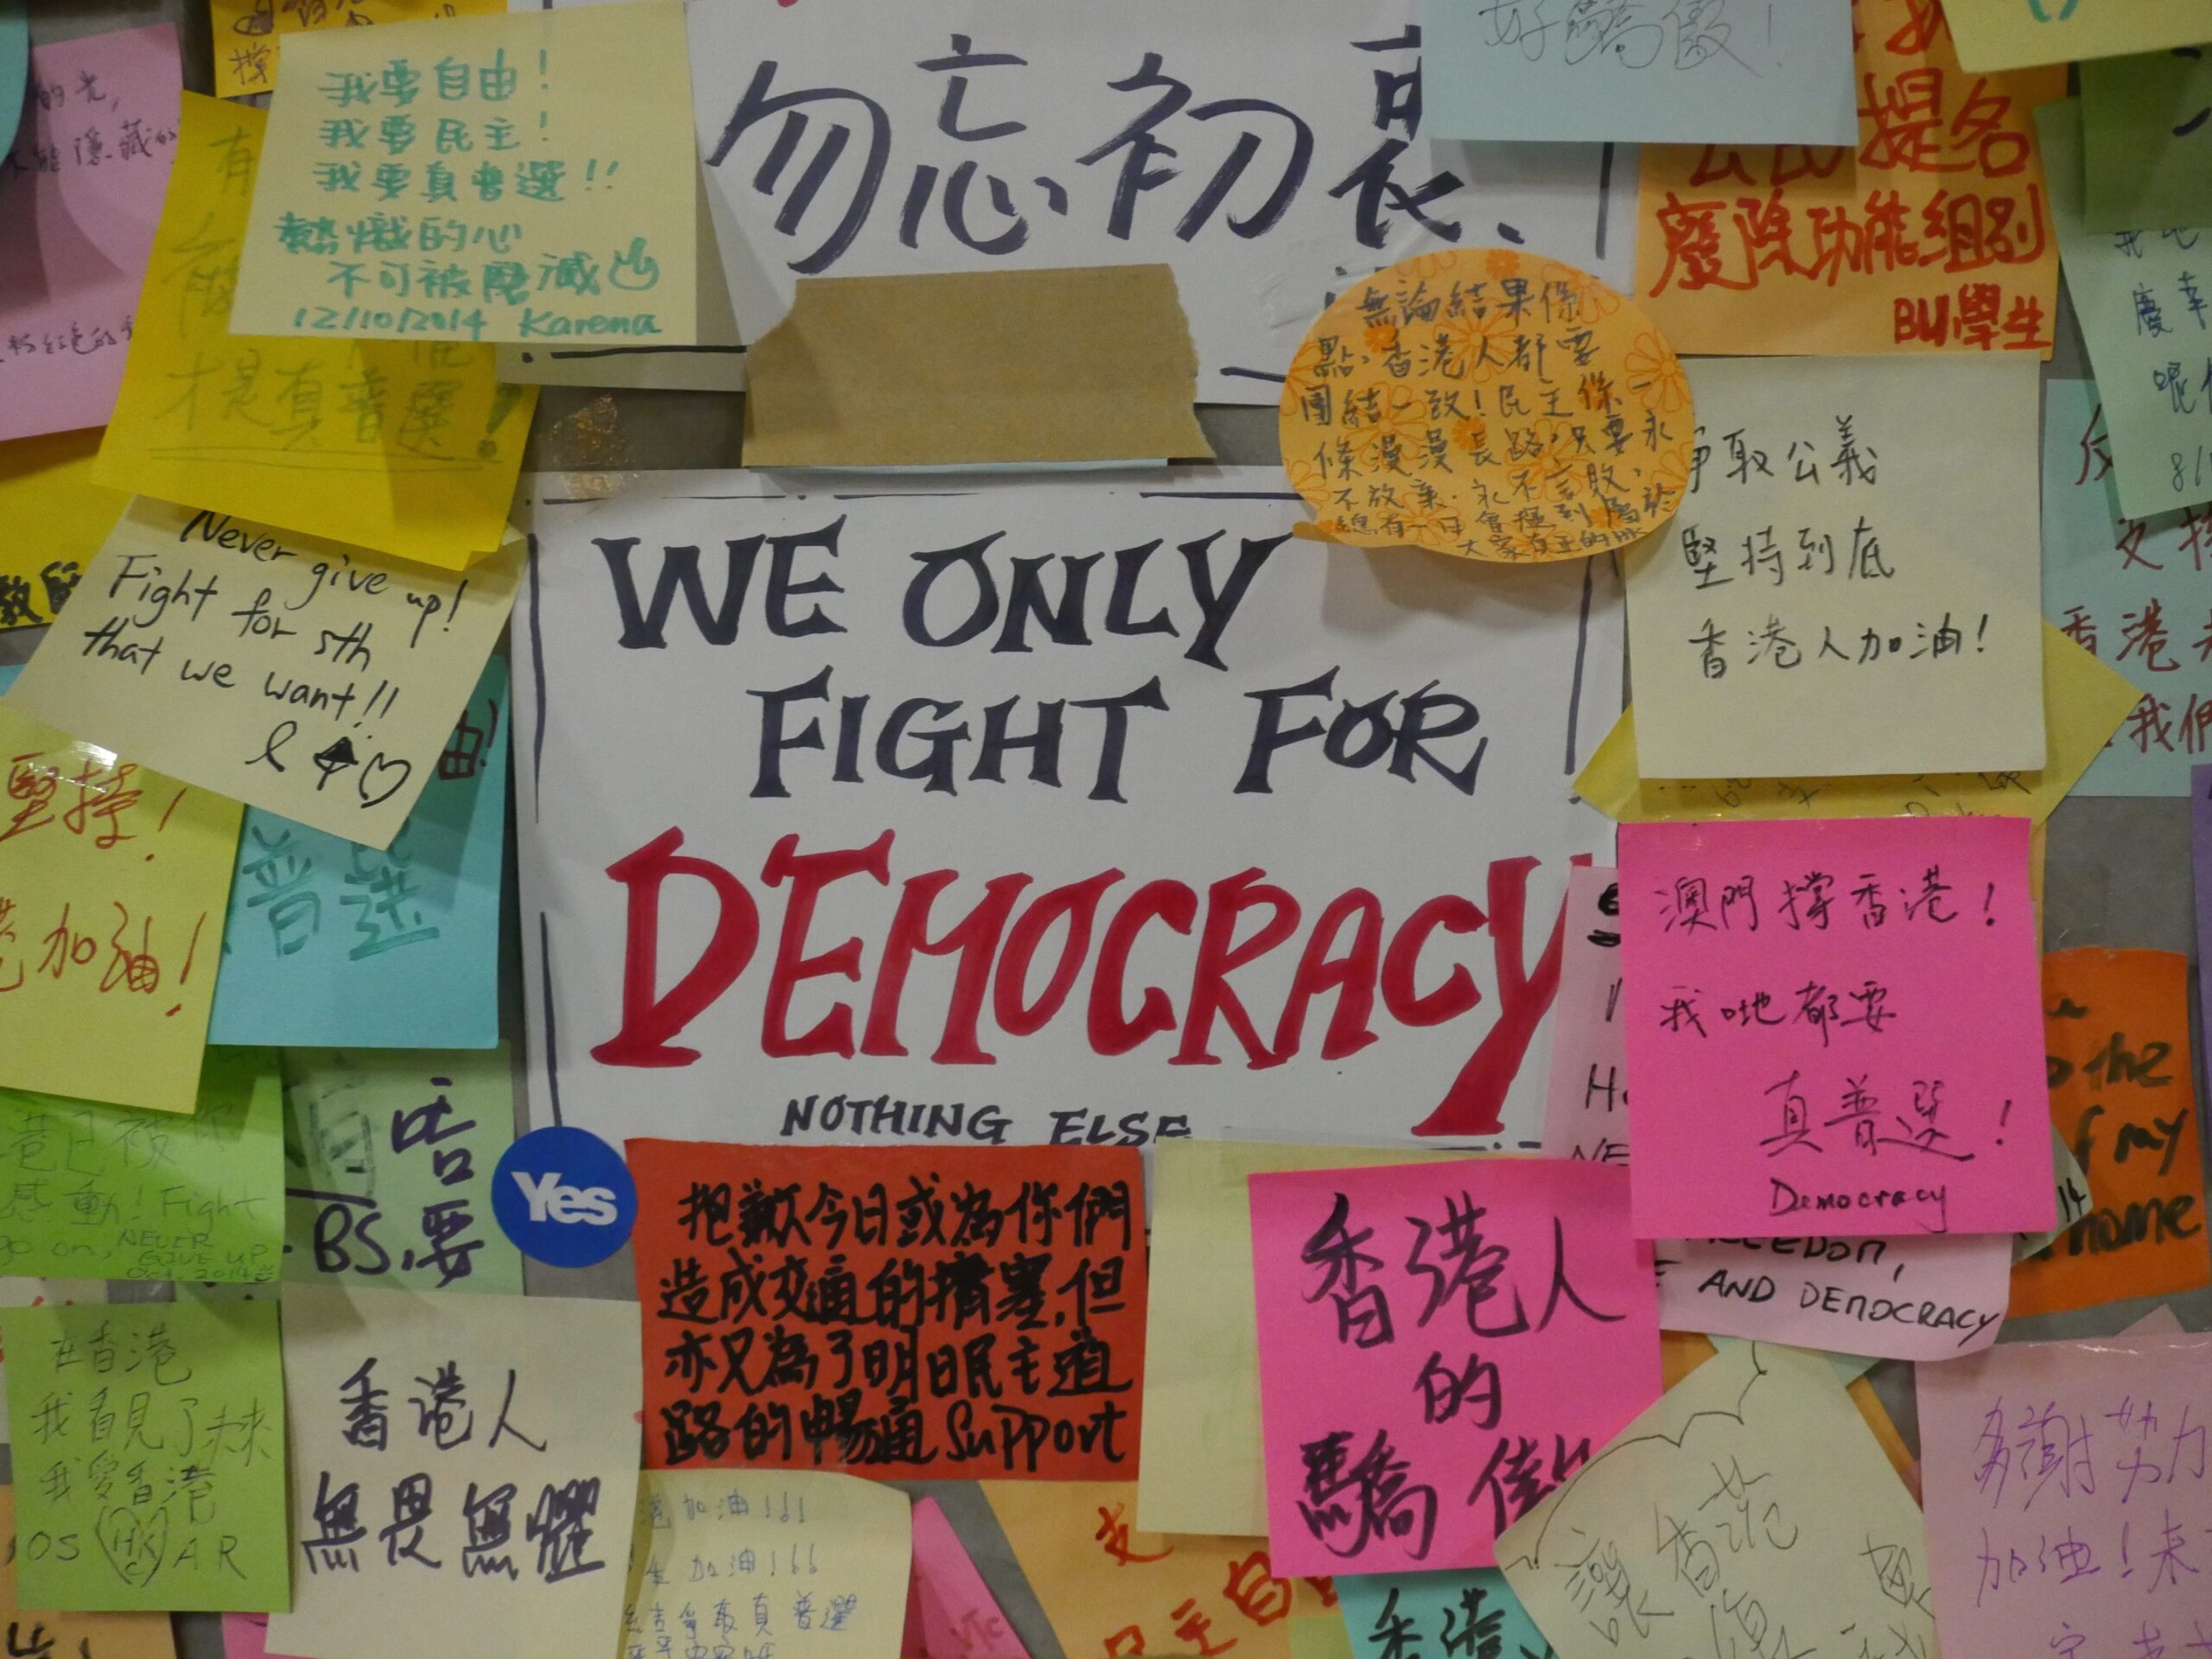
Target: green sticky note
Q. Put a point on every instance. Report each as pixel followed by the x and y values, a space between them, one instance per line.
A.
pixel 2144 300
pixel 388 1161
pixel 95 1192
pixel 2146 139
pixel 149 1457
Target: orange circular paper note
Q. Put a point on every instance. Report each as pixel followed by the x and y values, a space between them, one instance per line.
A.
pixel 1491 404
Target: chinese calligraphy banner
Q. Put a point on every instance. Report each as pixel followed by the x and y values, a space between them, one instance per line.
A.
pixel 149 1456
pixel 1202 1465
pixel 80 195
pixel 1752 1500
pixel 104 1192
pixel 1109 1589
pixel 1859 534
pixel 1440 1344
pixel 802 1564
pixel 931 1313
pixel 2123 1095
pixel 1044 813
pixel 1932 235
pixel 1834 1023
pixel 2069 1495
pixel 334 944
pixel 2125 590
pixel 2145 320
pixel 2083 703
pixel 1747 72
pixel 249 32
pixel 1262 147
pixel 410 448
pixel 524 175
pixel 474 1457
pixel 388 1164
pixel 113 883
pixel 318 681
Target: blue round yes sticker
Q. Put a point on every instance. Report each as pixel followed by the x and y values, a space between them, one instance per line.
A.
pixel 564 1196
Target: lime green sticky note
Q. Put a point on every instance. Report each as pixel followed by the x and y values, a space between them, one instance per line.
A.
pixel 149 1457
pixel 388 1161
pixel 93 1191
pixel 2146 139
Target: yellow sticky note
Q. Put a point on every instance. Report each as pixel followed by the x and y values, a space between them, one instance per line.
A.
pixel 2084 702
pixel 1199 1466
pixel 2013 34
pixel 410 449
pixel 1934 234
pixel 853 1540
pixel 527 176
pixel 1109 1589
pixel 46 482
pixel 310 679
pixel 246 30
pixel 1861 534
pixel 113 881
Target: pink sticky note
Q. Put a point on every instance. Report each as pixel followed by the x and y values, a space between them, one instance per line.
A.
pixel 1585 1099
pixel 1441 1346
pixel 1834 1025
pixel 2069 1496
pixel 245 1636
pixel 951 1612
pixel 1925 1297
pixel 78 202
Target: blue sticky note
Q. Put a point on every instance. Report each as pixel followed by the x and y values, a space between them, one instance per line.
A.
pixel 15 69
pixel 1469 1610
pixel 333 944
pixel 1732 72
pixel 2131 592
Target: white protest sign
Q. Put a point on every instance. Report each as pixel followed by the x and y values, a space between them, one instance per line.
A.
pixel 1049 812
pixel 1264 149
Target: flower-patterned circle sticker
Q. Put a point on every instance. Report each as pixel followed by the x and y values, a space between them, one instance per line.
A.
pixel 1491 404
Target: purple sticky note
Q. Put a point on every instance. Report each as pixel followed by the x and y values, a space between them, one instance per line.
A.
pixel 80 194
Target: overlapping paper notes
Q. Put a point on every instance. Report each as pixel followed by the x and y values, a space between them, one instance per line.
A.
pixel 1440 1344
pixel 1932 234
pixel 310 679
pixel 524 175
pixel 2123 1095
pixel 499 1437
pixel 738 1249
pixel 1768 1507
pixel 408 447
pixel 809 1564
pixel 248 33
pixel 1488 403
pixel 1585 1095
pixel 1109 1587
pixel 2140 295
pixel 47 482
pixel 2146 143
pixel 2122 589
pixel 334 944
pixel 1858 535
pixel 80 194
pixel 950 1611
pixel 149 1448
pixel 2069 1496
pixel 112 884
pixel 76 1636
pixel 1832 1025
pixel 104 1192
pixel 389 1155
pixel 2008 34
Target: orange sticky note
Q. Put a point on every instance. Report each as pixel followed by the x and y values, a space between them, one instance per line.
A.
pixel 1935 235
pixel 2116 1028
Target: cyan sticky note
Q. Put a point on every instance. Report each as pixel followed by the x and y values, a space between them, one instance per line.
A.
pixel 333 944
